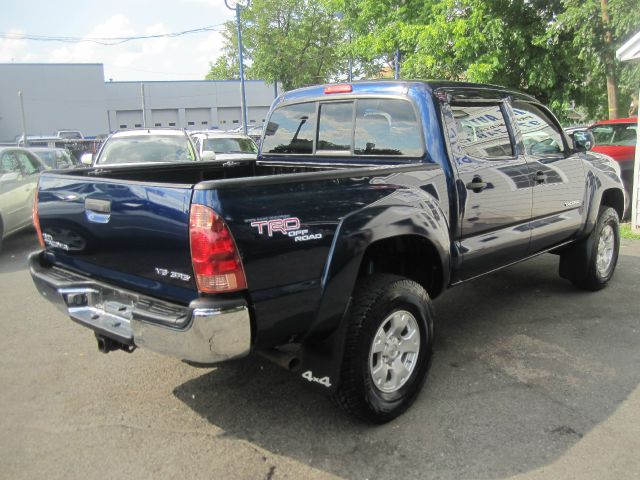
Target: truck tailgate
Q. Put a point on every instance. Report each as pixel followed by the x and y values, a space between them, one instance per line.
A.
pixel 131 234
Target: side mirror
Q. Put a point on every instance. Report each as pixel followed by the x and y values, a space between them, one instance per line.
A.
pixel 207 156
pixel 582 141
pixel 87 159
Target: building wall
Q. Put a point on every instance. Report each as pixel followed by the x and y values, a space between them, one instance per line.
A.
pixel 215 102
pixel 75 96
pixel 56 97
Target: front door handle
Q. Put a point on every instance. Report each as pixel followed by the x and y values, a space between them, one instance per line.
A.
pixel 541 177
pixel 476 185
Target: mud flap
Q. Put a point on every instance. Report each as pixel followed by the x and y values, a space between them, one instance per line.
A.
pixel 575 261
pixel 321 363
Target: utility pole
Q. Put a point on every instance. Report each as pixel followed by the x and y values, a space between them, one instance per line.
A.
pixel 237 5
pixel 609 63
pixel 24 120
pixel 144 106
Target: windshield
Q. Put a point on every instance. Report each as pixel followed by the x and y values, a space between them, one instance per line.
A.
pixel 230 145
pixel 146 149
pixel 615 134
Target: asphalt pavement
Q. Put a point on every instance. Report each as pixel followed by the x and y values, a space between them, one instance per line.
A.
pixel 530 378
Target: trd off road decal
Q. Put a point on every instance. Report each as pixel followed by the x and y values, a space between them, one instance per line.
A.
pixel 288 226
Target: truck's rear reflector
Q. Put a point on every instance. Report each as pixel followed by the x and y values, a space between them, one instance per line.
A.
pixel 216 262
pixel 340 88
pixel 36 219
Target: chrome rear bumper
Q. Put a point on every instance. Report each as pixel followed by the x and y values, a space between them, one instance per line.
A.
pixel 207 331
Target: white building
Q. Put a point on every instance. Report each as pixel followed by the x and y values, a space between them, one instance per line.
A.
pixel 75 96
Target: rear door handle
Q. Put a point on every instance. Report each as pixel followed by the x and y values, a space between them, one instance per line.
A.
pixel 541 177
pixel 476 185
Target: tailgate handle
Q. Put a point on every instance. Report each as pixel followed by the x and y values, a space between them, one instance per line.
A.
pixel 96 205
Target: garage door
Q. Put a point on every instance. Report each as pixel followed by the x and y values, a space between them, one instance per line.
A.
pixel 257 115
pixel 229 117
pixel 128 119
pixel 197 118
pixel 164 118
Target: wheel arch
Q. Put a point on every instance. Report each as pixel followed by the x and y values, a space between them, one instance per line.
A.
pixel 614 198
pixel 411 256
pixel 362 241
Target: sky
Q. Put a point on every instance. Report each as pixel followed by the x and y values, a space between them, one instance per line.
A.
pixel 181 58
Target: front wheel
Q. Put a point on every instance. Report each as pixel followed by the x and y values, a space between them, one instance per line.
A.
pixel 590 264
pixel 388 349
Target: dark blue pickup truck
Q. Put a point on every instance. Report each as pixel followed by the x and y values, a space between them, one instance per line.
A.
pixel 367 200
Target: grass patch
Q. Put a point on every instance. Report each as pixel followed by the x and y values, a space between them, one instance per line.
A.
pixel 625 232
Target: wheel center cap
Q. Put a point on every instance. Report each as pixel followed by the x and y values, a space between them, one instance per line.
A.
pixel 391 348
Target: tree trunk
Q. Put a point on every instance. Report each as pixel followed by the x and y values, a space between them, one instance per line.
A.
pixel 609 63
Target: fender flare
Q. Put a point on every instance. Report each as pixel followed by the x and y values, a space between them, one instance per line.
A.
pixel 323 350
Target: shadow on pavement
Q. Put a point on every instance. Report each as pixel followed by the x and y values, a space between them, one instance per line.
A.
pixel 16 248
pixel 525 365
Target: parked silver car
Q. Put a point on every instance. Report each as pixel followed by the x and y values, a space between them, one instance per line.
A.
pixel 19 173
pixel 56 158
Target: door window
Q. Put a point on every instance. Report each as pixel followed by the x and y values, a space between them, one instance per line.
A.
pixel 540 135
pixel 482 131
pixel 9 163
pixel 28 165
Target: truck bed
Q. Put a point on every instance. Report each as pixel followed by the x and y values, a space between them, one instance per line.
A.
pixel 192 173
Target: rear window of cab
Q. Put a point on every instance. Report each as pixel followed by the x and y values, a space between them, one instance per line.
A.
pixel 361 127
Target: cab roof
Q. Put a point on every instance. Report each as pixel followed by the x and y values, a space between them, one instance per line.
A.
pixel 398 87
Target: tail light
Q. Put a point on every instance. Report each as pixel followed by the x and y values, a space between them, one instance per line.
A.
pixel 36 219
pixel 216 261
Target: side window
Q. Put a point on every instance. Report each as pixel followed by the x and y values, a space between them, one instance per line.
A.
pixel 29 166
pixel 387 127
pixel 334 130
pixel 540 135
pixel 9 163
pixel 291 130
pixel 482 130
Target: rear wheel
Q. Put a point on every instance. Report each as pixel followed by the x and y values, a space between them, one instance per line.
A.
pixel 590 264
pixel 388 349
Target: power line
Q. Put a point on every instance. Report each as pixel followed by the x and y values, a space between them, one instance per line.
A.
pixel 107 41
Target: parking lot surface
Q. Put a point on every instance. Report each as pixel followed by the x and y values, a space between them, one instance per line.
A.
pixel 530 378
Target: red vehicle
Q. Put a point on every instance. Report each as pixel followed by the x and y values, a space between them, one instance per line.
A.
pixel 617 138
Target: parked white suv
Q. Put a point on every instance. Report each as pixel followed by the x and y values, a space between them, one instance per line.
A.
pixel 145 145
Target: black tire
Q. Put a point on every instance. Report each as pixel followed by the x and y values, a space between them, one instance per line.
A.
pixel 579 263
pixel 375 298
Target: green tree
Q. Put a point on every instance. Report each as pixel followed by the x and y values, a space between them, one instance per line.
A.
pixel 227 66
pixel 550 49
pixel 293 42
pixel 597 28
